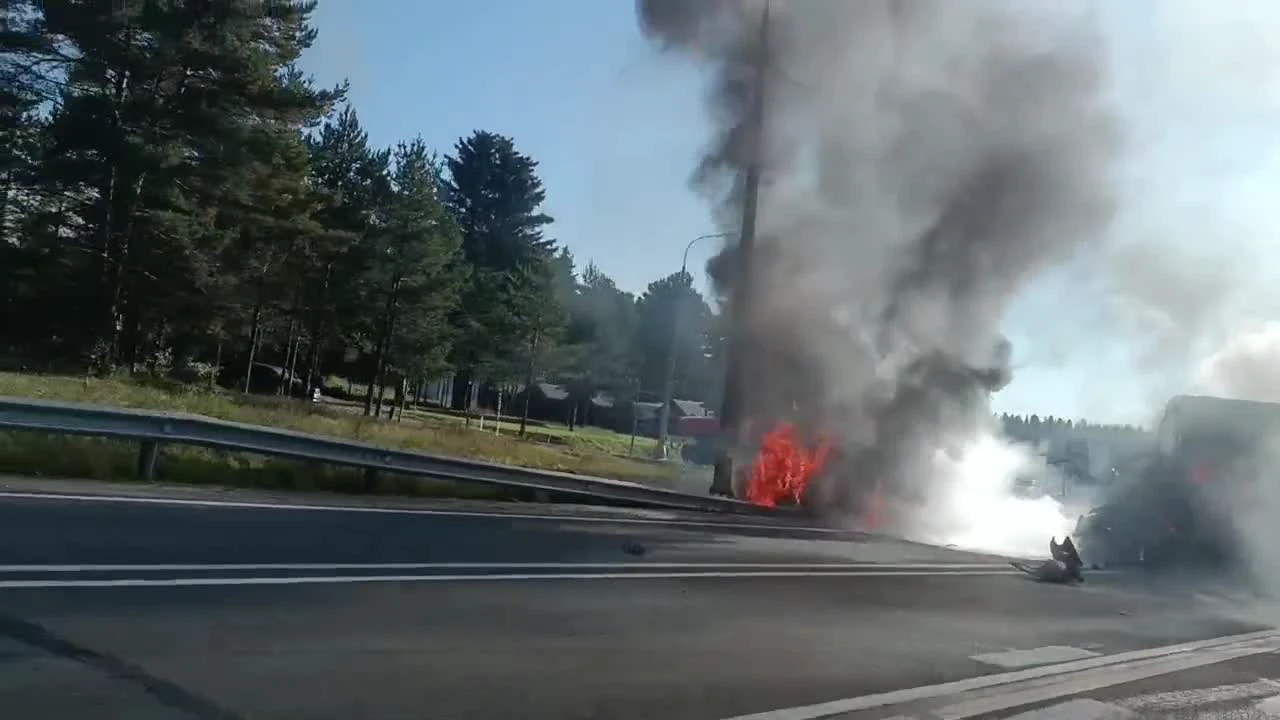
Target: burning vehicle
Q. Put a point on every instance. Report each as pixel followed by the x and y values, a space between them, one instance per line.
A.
pixel 700 434
pixel 1182 507
pixel 782 468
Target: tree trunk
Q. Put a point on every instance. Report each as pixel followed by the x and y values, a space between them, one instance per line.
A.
pixel 319 328
pixel 461 390
pixel 313 353
pixel 293 366
pixel 254 331
pixel 382 393
pixel 286 365
pixel 106 340
pixel 285 362
pixel 372 404
pixel 379 377
pixel 368 393
pixel 131 301
pixel 528 384
pixel 217 367
pixel 384 348
pixel 402 394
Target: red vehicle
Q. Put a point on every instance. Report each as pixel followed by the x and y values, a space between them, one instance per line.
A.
pixel 701 434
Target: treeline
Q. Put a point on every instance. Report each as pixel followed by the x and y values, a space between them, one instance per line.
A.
pixel 1017 423
pixel 1084 445
pixel 176 196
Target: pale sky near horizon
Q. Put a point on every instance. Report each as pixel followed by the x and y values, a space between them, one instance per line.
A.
pixel 617 130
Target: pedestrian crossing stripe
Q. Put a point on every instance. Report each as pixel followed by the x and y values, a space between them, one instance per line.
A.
pixel 1047 655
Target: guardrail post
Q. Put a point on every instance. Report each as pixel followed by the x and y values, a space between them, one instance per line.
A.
pixel 147 456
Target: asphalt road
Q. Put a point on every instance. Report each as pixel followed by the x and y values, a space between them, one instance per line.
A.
pixel 192 607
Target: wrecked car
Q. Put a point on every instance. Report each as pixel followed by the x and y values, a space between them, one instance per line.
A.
pixel 1181 508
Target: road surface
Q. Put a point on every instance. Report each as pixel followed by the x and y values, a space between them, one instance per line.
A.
pixel 190 605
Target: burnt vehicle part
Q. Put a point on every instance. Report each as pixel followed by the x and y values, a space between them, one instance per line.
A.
pixel 1063 566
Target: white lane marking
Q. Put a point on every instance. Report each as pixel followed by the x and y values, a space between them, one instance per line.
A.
pixel 339 579
pixel 259 567
pixel 957 687
pixel 411 511
pixel 1046 655
pixel 1083 709
pixel 1173 700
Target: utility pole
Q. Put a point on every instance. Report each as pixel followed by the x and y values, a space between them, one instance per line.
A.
pixel 669 381
pixel 731 409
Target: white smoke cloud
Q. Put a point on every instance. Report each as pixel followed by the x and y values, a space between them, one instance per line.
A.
pixel 1247 367
pixel 1223 52
pixel 1180 271
pixel 973 506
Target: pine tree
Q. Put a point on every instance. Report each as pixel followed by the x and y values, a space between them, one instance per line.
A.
pixel 670 311
pixel 596 352
pixel 175 136
pixel 415 276
pixel 353 178
pixel 495 194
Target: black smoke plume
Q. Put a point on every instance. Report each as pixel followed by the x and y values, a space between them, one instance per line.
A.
pixel 922 161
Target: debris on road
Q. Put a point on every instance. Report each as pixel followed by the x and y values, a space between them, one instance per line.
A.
pixel 1063 566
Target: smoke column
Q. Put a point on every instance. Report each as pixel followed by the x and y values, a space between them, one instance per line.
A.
pixel 922 162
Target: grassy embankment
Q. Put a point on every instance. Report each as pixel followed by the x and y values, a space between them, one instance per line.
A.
pixel 590 451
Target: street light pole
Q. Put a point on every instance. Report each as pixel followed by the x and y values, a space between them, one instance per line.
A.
pixel 669 379
pixel 731 410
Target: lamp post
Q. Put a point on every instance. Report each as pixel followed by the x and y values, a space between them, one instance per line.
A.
pixel 731 409
pixel 669 379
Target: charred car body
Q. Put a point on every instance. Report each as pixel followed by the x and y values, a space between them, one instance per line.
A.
pixel 1181 507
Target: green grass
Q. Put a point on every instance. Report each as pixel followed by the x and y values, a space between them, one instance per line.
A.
pixel 589 451
pixel 585 437
pixel 97 459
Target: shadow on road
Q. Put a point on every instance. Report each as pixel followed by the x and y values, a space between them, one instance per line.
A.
pixel 163 691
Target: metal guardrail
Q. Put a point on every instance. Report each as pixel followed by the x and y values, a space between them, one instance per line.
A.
pixel 153 429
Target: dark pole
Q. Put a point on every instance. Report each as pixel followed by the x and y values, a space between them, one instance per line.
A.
pixel 731 409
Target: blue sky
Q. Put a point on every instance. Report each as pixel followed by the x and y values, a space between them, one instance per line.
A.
pixel 616 129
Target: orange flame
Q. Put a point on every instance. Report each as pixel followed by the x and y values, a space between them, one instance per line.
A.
pixel 784 467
